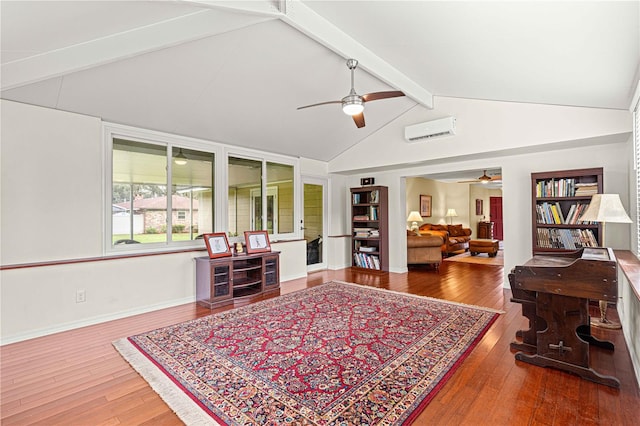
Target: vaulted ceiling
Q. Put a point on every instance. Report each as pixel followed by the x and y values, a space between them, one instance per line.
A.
pixel 236 71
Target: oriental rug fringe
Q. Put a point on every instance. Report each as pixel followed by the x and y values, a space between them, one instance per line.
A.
pixel 335 354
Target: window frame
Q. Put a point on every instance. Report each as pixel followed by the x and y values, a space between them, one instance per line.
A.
pixel 221 153
pixel 265 158
pixel 115 131
pixel 636 167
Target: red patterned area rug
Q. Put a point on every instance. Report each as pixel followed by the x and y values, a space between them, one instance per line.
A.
pixel 335 354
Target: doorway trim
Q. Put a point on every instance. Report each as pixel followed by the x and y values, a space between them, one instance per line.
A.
pixel 324 183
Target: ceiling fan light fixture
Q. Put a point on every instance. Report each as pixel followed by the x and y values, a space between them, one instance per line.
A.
pixel 352 105
pixel 180 158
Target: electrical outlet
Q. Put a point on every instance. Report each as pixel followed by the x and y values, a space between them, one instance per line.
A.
pixel 81 295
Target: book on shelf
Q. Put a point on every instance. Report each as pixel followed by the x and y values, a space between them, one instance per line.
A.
pixel 366 249
pixel 366 232
pixel 584 189
pixel 568 239
pixel 548 213
pixel 556 188
pixel 361 217
pixel 368 261
pixel 373 212
pixel 356 198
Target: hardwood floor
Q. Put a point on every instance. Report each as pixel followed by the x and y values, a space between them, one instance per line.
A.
pixel 78 378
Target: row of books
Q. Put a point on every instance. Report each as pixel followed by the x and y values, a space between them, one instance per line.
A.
pixel 373 215
pixel 372 197
pixel 567 187
pixel 568 239
pixel 585 189
pixel 366 233
pixel 551 213
pixel 363 260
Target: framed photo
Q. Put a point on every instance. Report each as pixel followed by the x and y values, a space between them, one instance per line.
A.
pixel 478 207
pixel 425 205
pixel 217 245
pixel 257 241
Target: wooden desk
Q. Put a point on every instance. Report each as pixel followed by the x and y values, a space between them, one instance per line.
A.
pixel 554 292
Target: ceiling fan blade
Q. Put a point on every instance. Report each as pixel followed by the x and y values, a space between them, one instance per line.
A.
pixel 359 120
pixel 321 103
pixel 382 95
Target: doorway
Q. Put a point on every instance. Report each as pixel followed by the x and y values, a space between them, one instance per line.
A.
pixel 314 221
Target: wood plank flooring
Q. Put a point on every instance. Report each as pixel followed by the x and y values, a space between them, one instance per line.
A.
pixel 78 378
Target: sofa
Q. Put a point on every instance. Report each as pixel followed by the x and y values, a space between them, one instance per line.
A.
pixel 424 249
pixel 455 237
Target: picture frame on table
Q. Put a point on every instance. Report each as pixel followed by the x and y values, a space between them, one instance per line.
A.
pixel 217 245
pixel 425 205
pixel 257 241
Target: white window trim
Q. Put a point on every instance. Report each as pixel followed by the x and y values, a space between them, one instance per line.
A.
pixel 251 154
pixel 111 131
pixel 634 108
pixel 221 203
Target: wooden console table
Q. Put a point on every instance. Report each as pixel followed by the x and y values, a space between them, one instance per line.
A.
pixel 554 292
pixel 220 281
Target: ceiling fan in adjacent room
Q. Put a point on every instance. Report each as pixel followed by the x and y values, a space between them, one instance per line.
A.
pixel 353 104
pixel 484 179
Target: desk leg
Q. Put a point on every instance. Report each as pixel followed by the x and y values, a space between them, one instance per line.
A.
pixel 559 345
pixel 585 373
pixel 528 301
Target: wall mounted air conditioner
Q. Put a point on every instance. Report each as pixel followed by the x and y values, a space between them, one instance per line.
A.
pixel 430 129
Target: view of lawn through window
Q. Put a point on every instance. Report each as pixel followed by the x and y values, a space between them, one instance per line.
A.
pixel 142 209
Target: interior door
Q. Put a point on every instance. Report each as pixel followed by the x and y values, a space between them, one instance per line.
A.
pixel 495 215
pixel 314 222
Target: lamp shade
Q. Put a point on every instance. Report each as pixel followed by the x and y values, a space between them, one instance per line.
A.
pixel 414 216
pixel 451 213
pixel 605 208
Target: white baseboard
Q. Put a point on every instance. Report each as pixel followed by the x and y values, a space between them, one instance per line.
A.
pixel 5 340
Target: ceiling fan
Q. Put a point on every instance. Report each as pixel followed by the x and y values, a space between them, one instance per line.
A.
pixel 353 104
pixel 484 179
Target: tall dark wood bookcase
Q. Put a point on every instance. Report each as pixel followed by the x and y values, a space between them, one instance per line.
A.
pixel 558 200
pixel 370 228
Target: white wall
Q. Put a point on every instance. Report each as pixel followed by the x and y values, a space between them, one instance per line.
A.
pixel 51 184
pixel 516 173
pixel 45 150
pixel 484 127
pixel 518 138
pixel 52 204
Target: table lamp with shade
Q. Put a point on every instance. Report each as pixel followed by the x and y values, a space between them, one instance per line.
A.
pixel 605 208
pixel 414 218
pixel 451 213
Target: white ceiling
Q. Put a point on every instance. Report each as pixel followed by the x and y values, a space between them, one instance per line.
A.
pixel 235 71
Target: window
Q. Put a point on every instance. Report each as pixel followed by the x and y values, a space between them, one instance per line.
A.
pixel 161 193
pixel 258 202
pixel 636 145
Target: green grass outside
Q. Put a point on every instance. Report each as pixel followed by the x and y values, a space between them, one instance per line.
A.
pixel 152 238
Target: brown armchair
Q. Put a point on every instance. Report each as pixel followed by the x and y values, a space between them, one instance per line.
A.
pixel 424 249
